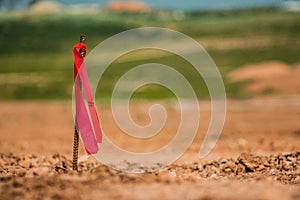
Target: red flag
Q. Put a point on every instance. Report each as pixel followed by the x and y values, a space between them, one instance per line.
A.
pixel 90 132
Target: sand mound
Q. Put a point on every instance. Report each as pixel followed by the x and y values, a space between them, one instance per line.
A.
pixel 260 71
pixel 269 77
pixel 128 6
pixel 297 68
pixel 45 7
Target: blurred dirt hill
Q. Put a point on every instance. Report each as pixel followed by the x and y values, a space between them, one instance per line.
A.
pixel 54 7
pixel 128 6
pixel 45 7
pixel 269 77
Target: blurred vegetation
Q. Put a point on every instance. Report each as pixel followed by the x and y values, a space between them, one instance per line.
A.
pixel 37 61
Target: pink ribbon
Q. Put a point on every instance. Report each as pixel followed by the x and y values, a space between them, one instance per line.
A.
pixel 90 130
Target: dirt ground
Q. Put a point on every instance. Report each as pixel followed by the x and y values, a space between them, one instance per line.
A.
pixel 256 157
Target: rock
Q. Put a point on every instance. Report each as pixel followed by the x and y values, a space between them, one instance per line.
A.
pixel 35 162
pixel 2 163
pixel 286 154
pixel 266 164
pixel 214 176
pixel 291 159
pixel 249 167
pixel 25 163
pixel 223 161
pixel 287 167
pixel 199 168
pixel 272 171
pixel 84 158
pixel 260 167
pixel 121 167
pixel 228 170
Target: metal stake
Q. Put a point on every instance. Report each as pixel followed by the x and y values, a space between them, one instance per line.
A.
pixel 75 149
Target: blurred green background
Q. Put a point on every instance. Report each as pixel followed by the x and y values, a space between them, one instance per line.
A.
pixel 37 61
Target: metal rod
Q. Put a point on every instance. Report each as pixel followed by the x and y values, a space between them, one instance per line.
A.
pixel 76 135
pixel 75 149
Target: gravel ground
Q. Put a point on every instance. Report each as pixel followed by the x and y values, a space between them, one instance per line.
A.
pixel 27 177
pixel 39 136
